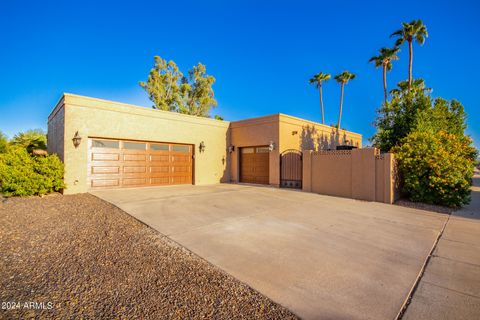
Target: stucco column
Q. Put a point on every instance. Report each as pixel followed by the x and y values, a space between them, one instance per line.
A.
pixel 389 191
pixel 307 171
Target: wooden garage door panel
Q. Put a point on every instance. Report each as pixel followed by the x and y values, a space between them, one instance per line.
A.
pixel 105 156
pixel 160 169
pixel 181 158
pixel 134 181
pixel 105 170
pixel 105 183
pixel 134 157
pixel 134 169
pixel 180 169
pixel 133 163
pixel 180 180
pixel 160 180
pixel 159 157
pixel 254 165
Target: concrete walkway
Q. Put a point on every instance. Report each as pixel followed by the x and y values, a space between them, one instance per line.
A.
pixel 450 286
pixel 322 257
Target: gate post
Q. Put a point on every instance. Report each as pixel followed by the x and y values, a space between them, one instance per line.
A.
pixel 307 171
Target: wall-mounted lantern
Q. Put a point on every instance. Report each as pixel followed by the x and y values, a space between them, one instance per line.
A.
pixel 201 146
pixel 271 146
pixel 294 132
pixel 76 139
pixel 231 148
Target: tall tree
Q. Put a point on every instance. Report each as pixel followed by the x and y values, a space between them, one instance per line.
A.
pixel 384 60
pixel 317 80
pixel 415 30
pixel 343 78
pixel 199 96
pixel 170 90
pixel 163 86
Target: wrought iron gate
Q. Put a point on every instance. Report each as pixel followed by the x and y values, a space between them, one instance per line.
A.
pixel 291 169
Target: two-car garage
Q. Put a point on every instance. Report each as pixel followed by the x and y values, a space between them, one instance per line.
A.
pixel 122 163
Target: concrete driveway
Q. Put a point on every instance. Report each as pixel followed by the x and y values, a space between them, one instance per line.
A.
pixel 319 256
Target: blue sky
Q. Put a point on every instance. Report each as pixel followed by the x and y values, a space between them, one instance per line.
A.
pixel 262 54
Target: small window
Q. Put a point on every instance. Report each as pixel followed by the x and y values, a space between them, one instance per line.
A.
pixel 159 147
pixel 181 148
pixel 263 150
pixel 134 145
pixel 247 150
pixel 105 144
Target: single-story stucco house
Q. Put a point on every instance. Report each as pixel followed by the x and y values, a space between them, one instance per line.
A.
pixel 106 144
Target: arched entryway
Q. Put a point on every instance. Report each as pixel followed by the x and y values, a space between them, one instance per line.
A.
pixel 291 169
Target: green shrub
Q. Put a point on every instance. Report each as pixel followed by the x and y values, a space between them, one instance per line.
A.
pixel 436 167
pixel 23 175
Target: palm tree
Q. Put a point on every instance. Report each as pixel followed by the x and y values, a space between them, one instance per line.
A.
pixel 384 59
pixel 417 85
pixel 317 80
pixel 343 79
pixel 414 30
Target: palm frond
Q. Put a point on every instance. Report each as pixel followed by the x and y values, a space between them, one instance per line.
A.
pixel 318 78
pixel 397 33
pixel 344 77
pixel 399 42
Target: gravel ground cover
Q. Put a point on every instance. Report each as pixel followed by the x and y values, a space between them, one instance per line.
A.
pixel 84 258
pixel 425 206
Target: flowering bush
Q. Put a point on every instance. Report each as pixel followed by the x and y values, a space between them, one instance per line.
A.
pixel 436 167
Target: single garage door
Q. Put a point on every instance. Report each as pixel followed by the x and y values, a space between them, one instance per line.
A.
pixel 254 164
pixel 122 163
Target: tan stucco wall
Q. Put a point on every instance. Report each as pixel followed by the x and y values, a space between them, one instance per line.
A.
pixel 56 132
pixel 328 173
pixel 101 118
pixel 361 174
pixel 301 134
pixel 256 132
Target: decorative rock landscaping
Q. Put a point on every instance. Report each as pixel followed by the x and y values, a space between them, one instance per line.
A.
pixel 80 257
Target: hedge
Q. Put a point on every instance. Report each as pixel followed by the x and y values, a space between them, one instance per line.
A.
pixel 436 168
pixel 22 174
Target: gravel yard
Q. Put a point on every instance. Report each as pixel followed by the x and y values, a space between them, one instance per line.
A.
pixel 92 260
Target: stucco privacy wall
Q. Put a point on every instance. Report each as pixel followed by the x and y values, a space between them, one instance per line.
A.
pixel 300 134
pixel 361 174
pixel 106 119
pixel 256 132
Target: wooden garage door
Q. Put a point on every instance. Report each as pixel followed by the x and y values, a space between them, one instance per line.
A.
pixel 120 163
pixel 254 165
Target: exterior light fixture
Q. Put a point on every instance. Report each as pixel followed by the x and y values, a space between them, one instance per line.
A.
pixel 76 139
pixel 271 146
pixel 231 148
pixel 294 132
pixel 201 146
